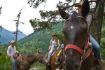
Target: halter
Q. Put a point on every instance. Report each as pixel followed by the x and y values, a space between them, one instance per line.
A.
pixel 77 48
pixel 87 51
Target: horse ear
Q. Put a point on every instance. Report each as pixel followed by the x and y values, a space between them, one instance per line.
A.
pixel 63 14
pixel 85 8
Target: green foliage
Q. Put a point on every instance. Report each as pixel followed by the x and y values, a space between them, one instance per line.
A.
pixel 38 65
pixel 68 0
pixel 5 63
pixel 39 39
pixel 48 14
pixel 35 3
pixel 38 24
pixel 103 42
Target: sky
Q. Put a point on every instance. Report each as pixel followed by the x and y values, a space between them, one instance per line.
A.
pixel 10 9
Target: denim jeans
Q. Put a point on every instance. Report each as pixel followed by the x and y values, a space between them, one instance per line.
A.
pixel 49 54
pixel 96 47
pixel 14 65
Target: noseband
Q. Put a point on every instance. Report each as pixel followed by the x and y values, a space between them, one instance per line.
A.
pixel 77 48
pixel 84 53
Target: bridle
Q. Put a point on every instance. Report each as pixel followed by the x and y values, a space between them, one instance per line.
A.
pixel 85 52
pixel 77 48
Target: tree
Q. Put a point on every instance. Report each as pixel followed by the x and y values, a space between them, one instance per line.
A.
pixel 0 10
pixel 46 21
pixel 35 3
pixel 98 19
pixel 48 16
pixel 97 12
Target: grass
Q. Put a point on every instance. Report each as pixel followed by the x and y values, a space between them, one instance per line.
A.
pixel 5 63
pixel 38 65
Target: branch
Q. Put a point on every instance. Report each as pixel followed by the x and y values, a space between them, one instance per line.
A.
pixel 66 6
pixel 92 1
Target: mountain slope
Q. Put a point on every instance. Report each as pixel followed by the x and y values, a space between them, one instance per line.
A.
pixel 39 39
pixel 6 36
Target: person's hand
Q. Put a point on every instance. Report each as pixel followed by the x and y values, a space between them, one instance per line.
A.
pixel 48 48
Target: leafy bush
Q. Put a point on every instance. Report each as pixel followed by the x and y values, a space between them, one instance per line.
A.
pixel 5 63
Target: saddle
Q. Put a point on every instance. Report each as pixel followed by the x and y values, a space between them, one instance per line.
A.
pixel 57 56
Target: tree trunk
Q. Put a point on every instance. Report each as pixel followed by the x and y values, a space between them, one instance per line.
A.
pixel 98 20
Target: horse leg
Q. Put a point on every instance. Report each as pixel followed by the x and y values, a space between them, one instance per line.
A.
pixel 48 67
pixel 60 68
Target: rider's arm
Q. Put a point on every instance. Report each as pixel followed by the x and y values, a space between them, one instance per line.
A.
pixel 58 44
pixel 89 19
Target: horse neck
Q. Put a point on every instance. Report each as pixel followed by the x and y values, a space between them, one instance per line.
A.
pixel 31 58
pixel 40 57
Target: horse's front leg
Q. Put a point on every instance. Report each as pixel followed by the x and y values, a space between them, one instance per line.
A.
pixel 48 67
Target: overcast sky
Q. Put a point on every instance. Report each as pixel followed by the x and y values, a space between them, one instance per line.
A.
pixel 10 9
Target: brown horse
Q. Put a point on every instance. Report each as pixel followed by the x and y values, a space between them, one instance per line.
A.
pixel 56 57
pixel 78 56
pixel 26 60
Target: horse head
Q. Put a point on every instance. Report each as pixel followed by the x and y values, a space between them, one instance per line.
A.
pixel 24 61
pixel 75 36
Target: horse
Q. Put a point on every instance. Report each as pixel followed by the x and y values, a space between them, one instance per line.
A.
pixel 24 61
pixel 57 56
pixel 78 54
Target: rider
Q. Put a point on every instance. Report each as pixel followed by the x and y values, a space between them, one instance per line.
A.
pixel 54 44
pixel 11 51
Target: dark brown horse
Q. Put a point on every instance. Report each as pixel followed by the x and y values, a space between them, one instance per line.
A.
pixel 78 56
pixel 26 60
